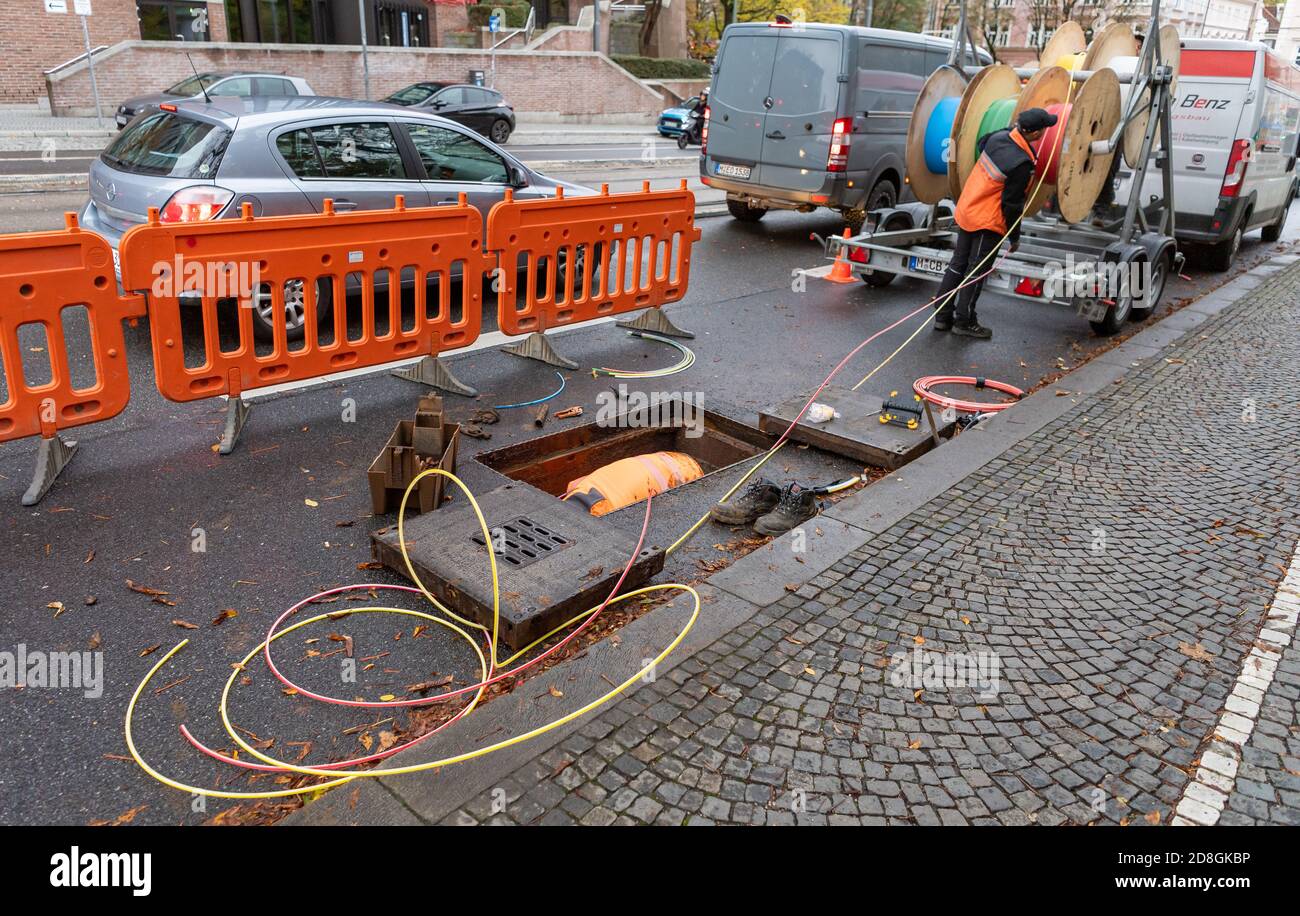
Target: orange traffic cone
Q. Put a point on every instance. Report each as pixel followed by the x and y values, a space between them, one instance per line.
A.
pixel 840 272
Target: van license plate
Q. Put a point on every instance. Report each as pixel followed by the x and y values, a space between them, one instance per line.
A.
pixel 731 170
pixel 926 265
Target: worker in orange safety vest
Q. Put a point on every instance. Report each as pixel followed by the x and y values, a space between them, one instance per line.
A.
pixel 992 200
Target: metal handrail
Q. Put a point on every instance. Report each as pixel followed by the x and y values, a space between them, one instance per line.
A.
pixel 79 57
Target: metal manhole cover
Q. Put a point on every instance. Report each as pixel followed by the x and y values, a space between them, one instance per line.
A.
pixel 522 541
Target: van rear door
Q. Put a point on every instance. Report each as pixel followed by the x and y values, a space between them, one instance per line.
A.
pixel 737 102
pixel 803 103
pixel 1209 114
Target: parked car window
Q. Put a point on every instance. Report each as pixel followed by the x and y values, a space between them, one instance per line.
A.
pixel 414 95
pixel 453 96
pixel 809 71
pixel 165 143
pixel 239 85
pixel 480 97
pixel 358 151
pixel 299 152
pixel 745 71
pixel 449 155
pixel 192 85
pixel 266 85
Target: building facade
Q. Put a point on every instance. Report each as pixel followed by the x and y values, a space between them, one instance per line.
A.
pixel 40 35
pixel 1017 29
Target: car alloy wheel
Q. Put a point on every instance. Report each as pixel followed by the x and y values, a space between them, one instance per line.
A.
pixel 295 307
pixel 500 132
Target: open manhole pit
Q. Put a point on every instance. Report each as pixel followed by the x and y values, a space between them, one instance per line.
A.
pixel 549 463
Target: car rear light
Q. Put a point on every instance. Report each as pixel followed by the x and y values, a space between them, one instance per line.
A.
pixel 193 205
pixel 1238 159
pixel 859 255
pixel 704 132
pixel 837 160
pixel 1028 286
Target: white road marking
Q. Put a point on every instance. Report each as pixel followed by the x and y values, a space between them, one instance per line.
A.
pixel 1206 795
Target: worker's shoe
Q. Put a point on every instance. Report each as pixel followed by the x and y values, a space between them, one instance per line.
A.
pixel 972 329
pixel 757 499
pixel 797 505
pixel 942 322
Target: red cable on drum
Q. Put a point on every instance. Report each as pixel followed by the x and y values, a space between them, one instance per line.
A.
pixel 1049 145
pixel 922 387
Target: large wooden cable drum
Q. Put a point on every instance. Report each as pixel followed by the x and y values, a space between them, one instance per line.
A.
pixel 1066 42
pixel 934 110
pixel 991 87
pixel 1081 174
pixel 1115 40
pixel 1135 132
pixel 1047 89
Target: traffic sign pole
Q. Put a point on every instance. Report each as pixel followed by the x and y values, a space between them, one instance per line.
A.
pixel 82 9
pixel 365 57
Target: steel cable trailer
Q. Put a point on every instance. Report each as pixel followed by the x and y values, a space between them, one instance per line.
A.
pixel 1109 269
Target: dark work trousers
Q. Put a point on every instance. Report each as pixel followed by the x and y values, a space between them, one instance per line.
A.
pixel 971 253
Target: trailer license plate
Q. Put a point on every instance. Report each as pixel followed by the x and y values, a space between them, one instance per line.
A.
pixel 926 265
pixel 1093 310
pixel 731 170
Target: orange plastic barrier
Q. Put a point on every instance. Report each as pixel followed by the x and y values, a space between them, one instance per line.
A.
pixel 630 251
pixel 43 277
pixel 402 262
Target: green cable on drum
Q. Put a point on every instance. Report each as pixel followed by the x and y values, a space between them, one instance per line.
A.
pixel 997 117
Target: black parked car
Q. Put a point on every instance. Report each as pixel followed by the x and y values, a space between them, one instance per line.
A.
pixel 482 109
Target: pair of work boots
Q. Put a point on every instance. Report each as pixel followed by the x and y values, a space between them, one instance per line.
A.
pixel 771 508
pixel 970 328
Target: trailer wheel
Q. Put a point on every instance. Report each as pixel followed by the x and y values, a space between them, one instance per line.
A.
pixel 1223 254
pixel 1145 304
pixel 1119 313
pixel 900 219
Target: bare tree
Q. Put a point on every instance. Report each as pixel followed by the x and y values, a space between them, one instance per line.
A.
pixel 650 18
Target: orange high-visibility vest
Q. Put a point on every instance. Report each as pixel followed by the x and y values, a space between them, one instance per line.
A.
pixel 980 205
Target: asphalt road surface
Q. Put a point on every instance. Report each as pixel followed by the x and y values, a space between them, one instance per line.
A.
pixel 143 485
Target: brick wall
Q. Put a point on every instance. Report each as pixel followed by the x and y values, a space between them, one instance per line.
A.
pixel 563 38
pixel 32 40
pixel 534 81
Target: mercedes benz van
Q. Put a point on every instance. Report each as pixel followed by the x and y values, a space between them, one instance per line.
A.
pixel 807 115
pixel 1234 119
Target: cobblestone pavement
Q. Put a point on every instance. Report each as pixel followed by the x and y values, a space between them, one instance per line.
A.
pixel 1117 564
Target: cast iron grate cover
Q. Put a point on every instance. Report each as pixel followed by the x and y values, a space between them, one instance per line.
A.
pixel 522 541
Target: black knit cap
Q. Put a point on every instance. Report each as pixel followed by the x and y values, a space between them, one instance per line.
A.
pixel 1035 119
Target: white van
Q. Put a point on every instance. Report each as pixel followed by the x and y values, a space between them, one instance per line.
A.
pixel 1235 118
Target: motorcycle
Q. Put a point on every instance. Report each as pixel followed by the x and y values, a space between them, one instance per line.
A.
pixel 692 130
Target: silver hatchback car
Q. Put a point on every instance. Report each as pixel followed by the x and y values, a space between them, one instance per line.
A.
pixel 198 161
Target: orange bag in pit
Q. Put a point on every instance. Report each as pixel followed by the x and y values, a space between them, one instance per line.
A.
pixel 630 480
